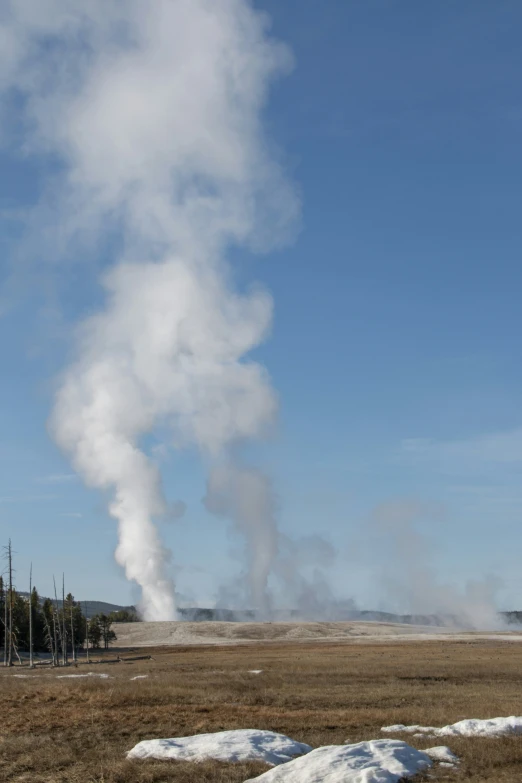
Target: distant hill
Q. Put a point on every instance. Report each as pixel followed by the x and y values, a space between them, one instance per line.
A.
pixel 90 608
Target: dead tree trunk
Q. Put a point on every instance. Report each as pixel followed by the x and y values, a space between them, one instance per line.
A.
pixel 56 656
pixel 64 623
pixel 31 662
pixel 86 635
pixel 56 624
pixel 49 639
pixel 5 626
pixel 10 561
pixel 15 648
pixel 72 635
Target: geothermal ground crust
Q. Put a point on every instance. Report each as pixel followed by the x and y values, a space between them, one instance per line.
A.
pixel 224 633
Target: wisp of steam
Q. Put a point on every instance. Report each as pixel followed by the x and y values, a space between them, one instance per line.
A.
pixel 153 112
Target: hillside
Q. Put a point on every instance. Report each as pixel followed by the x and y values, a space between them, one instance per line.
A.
pixel 90 608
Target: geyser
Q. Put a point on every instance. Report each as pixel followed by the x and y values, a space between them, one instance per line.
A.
pixel 153 112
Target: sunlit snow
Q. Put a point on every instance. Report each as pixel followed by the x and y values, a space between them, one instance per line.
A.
pixel 443 754
pixel 89 674
pixel 377 761
pixel 237 745
pixel 471 727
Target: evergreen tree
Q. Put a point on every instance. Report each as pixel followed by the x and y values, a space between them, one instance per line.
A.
pixel 39 635
pixel 95 632
pixel 20 621
pixel 124 616
pixel 78 620
pixel 108 634
pixel 48 612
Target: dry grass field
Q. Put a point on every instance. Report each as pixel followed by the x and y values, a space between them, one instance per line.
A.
pixel 78 730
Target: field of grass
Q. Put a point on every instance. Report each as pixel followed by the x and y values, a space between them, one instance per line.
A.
pixel 78 730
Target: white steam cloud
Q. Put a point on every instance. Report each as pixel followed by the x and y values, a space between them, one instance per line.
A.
pixel 402 557
pixel 152 110
pixel 245 495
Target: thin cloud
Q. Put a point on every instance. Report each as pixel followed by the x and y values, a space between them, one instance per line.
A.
pixel 494 448
pixel 57 478
pixel 26 498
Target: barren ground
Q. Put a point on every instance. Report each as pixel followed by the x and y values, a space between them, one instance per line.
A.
pixel 78 730
pixel 183 633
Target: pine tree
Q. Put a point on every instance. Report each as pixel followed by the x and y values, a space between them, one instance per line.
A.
pixel 124 616
pixel 79 624
pixel 20 613
pixel 75 621
pixel 108 634
pixel 39 634
pixel 95 632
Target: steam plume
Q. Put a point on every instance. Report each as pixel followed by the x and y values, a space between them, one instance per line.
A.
pixel 153 110
pixel 402 553
pixel 244 495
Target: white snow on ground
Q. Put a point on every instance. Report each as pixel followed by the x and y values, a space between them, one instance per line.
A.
pixel 90 674
pixel 255 671
pixel 494 727
pixel 140 677
pixel 237 745
pixel 377 761
pixel 442 753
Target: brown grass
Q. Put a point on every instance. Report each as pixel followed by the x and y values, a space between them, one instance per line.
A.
pixel 77 731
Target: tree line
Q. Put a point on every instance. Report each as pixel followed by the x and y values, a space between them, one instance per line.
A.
pixel 54 626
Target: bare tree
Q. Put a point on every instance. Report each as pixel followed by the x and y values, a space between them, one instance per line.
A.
pixel 86 634
pixel 64 648
pixel 15 647
pixel 50 639
pixel 72 632
pixel 10 630
pixel 56 624
pixel 56 636
pixel 5 626
pixel 31 662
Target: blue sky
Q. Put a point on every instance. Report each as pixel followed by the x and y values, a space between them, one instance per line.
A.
pixel 395 346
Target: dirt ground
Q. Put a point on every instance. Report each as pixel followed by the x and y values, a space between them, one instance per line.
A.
pixel 78 730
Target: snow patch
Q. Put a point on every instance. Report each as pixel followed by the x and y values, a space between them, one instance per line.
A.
pixel 255 671
pixel 471 727
pixel 236 745
pixel 377 761
pixel 442 753
pixel 90 674
pixel 140 677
